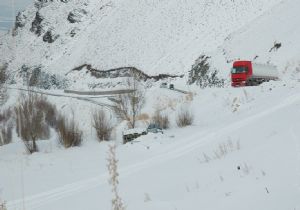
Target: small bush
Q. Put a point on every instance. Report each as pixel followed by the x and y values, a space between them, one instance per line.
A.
pixel 35 76
pixel 143 117
pixel 3 94
pixel 3 74
pixel 5 134
pixel 50 112
pixel 117 203
pixel 6 127
pixel 161 120
pixel 5 115
pixel 224 148
pixel 3 205
pixel 69 134
pixel 102 125
pixel 203 75
pixel 30 120
pixel 3 88
pixel 184 118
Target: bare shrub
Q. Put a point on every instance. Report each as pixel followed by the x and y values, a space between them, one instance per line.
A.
pixel 3 74
pixel 225 148
pixel 203 74
pixel 30 120
pixel 184 118
pixel 161 120
pixel 6 134
pixel 102 125
pixel 34 78
pixel 222 150
pixel 5 115
pixel 117 203
pixel 6 127
pixel 69 134
pixel 3 88
pixel 3 205
pixel 189 96
pixel 49 111
pixel 128 106
pixel 143 117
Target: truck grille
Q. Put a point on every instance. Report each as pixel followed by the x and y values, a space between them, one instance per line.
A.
pixel 238 80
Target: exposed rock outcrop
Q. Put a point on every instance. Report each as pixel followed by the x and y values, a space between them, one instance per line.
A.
pixel 20 22
pixel 123 72
pixel 76 15
pixel 50 37
pixel 36 25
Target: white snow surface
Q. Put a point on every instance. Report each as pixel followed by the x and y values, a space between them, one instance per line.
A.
pixel 156 36
pixel 254 41
pixel 184 168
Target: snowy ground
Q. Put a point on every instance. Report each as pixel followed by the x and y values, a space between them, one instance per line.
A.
pixel 184 168
pixel 155 36
pixel 180 169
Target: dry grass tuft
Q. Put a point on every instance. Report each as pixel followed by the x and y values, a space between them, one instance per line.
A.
pixel 184 118
pixel 69 134
pixel 117 203
pixel 161 120
pixel 103 125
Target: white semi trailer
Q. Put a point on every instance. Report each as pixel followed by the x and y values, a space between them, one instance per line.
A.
pixel 247 73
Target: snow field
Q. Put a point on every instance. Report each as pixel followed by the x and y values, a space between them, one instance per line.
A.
pixel 170 171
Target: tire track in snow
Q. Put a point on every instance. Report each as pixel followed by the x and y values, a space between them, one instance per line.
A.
pixel 39 200
pixel 87 99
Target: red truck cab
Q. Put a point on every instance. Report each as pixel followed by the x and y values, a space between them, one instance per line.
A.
pixel 240 72
pixel 247 73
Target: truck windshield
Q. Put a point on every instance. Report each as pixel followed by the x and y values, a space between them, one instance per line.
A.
pixel 238 69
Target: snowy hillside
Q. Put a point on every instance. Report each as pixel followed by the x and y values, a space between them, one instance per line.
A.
pixel 154 36
pixel 254 129
pixel 256 40
pixel 242 151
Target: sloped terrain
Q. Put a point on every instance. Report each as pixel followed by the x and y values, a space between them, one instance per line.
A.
pixel 271 38
pixel 154 36
pixel 243 150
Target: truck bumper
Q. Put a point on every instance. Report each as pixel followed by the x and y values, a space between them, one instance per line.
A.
pixel 238 84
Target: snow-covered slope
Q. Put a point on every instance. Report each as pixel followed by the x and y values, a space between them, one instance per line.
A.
pixel 155 36
pixel 243 149
pixel 255 129
pixel 256 41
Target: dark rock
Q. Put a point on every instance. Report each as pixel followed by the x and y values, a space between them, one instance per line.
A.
pixel 76 15
pixel 74 32
pixel 36 25
pixel 35 76
pixel 20 22
pixel 42 3
pixel 276 46
pixel 49 37
pixel 124 72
